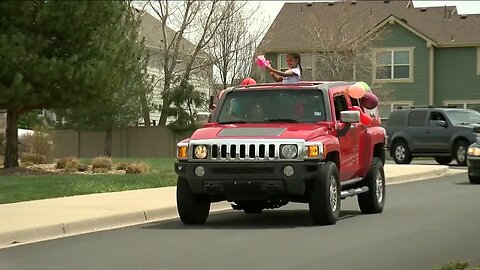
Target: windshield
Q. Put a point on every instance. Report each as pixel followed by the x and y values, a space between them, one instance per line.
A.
pixel 465 117
pixel 261 106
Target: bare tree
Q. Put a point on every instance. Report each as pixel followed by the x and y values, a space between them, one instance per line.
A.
pixel 234 45
pixel 344 44
pixel 198 21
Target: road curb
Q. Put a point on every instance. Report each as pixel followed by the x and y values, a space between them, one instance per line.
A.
pixel 414 177
pixel 82 226
pixel 60 230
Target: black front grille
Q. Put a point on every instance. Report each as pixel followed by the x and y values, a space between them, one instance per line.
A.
pixel 242 170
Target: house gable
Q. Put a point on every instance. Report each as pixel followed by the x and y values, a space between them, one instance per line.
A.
pixel 391 20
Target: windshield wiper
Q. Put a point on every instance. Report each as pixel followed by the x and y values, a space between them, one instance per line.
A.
pixel 286 120
pixel 463 123
pixel 234 122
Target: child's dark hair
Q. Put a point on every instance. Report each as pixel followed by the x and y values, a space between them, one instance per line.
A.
pixel 296 56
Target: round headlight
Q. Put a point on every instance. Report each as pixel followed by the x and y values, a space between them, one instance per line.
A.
pixel 473 151
pixel 200 151
pixel 289 151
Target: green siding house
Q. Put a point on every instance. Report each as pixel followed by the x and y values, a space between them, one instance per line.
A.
pixel 424 56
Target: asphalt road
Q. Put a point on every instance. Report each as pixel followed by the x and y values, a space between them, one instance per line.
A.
pixel 424 224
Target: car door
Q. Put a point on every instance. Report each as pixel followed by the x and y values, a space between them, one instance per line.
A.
pixel 348 142
pixel 438 137
pixel 416 126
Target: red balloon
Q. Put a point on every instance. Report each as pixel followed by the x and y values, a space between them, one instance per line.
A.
pixel 365 119
pixel 369 101
pixel 248 81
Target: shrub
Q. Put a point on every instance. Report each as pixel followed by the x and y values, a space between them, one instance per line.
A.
pixel 71 165
pixel 25 144
pixel 102 162
pixel 42 142
pixel 122 165
pixel 34 158
pixel 82 167
pixel 39 143
pixel 137 168
pixel 457 265
pixel 62 163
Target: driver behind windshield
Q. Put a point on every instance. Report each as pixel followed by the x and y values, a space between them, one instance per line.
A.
pixel 261 106
pixel 255 113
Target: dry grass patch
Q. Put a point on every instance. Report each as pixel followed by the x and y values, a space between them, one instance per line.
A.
pixel 122 165
pixel 83 167
pixel 137 168
pixel 34 158
pixel 102 162
pixel 63 162
pixel 71 164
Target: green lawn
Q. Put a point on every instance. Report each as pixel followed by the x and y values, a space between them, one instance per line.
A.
pixel 25 188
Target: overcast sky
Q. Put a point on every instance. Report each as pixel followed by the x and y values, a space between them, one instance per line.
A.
pixel 270 9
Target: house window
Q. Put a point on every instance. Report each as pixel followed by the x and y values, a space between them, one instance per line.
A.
pixel 464 104
pixel 394 65
pixel 307 65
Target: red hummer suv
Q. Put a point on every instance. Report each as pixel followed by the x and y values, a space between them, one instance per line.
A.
pixel 269 144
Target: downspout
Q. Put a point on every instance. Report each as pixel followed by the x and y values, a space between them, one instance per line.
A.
pixel 431 75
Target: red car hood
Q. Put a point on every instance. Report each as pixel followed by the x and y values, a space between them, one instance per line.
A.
pixel 261 131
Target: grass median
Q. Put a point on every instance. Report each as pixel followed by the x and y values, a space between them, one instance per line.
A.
pixel 19 188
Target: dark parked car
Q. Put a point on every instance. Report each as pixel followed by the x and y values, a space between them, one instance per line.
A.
pixel 473 159
pixel 440 132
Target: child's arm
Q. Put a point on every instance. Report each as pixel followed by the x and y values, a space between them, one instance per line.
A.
pixel 276 77
pixel 281 73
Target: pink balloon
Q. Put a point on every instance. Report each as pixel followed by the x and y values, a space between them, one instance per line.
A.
pixel 262 62
pixel 356 91
pixel 248 81
pixel 369 101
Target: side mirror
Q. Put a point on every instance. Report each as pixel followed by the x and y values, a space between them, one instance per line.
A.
pixel 211 103
pixel 350 117
pixel 440 123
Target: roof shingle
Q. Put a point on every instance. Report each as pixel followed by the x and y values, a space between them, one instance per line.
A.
pixel 443 25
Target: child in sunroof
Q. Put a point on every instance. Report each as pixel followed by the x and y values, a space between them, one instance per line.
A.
pixel 292 74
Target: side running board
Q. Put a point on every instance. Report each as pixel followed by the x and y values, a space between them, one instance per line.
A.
pixel 353 192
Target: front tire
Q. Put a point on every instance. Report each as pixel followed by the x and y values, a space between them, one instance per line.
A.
pixel 475 180
pixel 401 153
pixel 443 160
pixel 192 208
pixel 460 153
pixel 324 201
pixel 373 201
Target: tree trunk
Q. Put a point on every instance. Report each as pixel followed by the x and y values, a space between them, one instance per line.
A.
pixel 108 143
pixel 11 134
pixel 145 110
pixel 164 114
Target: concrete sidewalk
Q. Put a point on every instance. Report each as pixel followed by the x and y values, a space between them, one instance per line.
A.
pixel 34 221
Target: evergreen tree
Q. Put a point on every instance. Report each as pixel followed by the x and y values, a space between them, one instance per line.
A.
pixel 62 55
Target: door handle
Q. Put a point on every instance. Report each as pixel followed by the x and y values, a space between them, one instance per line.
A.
pixel 428 131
